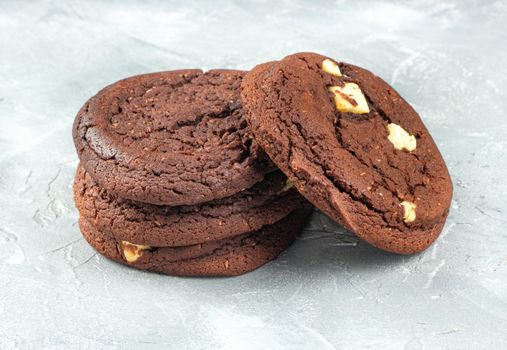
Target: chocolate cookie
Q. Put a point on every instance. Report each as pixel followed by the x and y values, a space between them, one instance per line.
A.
pixel 265 203
pixel 174 138
pixel 352 146
pixel 227 257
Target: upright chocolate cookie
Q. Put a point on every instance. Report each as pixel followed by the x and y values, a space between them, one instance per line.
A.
pixel 352 146
pixel 227 257
pixel 174 138
pixel 263 204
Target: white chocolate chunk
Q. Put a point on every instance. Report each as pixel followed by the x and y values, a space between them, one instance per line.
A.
pixel 132 252
pixel 400 138
pixel 331 67
pixel 408 211
pixel 349 98
pixel 288 186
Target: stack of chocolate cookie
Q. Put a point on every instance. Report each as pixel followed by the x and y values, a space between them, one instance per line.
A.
pixel 174 178
pixel 170 179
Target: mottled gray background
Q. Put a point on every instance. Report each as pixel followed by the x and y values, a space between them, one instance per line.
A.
pixel 328 291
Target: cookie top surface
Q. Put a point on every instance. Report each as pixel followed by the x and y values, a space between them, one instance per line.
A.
pixel 174 138
pixel 263 204
pixel 226 257
pixel 352 146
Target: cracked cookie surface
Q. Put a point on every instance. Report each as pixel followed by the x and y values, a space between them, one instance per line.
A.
pixel 156 225
pixel 352 146
pixel 226 257
pixel 173 138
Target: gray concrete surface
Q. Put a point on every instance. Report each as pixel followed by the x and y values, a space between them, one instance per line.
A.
pixel 328 291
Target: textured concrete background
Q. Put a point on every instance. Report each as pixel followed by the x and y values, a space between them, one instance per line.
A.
pixel 328 291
